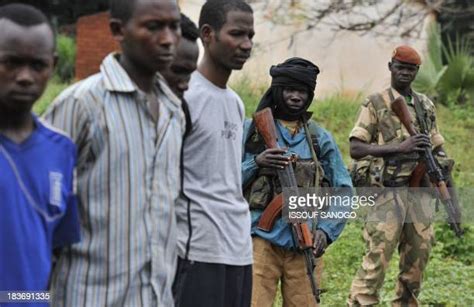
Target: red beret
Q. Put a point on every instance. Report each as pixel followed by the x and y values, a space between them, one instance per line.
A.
pixel 406 54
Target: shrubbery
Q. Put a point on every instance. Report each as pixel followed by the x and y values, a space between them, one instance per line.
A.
pixel 447 72
pixel 66 50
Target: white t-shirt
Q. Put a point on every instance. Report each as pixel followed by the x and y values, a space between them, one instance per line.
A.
pixel 212 154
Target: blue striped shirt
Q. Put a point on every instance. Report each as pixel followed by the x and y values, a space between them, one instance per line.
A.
pixel 128 182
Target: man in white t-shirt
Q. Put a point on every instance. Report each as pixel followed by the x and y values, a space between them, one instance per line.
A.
pixel 214 243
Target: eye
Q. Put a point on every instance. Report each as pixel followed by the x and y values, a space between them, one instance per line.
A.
pixel 11 63
pixel 175 25
pixel 153 26
pixel 237 33
pixel 39 65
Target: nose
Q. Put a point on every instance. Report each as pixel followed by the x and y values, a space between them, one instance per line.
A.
pixel 295 98
pixel 247 44
pixel 168 37
pixel 25 76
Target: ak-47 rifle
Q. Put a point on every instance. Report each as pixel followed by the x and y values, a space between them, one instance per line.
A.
pixel 429 165
pixel 302 236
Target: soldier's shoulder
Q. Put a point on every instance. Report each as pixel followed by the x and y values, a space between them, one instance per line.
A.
pixel 377 100
pixel 425 100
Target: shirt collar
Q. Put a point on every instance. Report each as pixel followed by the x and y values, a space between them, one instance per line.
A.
pixel 408 101
pixel 116 78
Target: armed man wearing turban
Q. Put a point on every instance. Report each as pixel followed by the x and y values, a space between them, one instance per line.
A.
pixel 316 160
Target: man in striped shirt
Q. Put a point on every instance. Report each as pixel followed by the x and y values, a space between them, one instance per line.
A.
pixel 128 127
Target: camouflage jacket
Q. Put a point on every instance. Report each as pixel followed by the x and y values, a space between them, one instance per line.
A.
pixel 377 124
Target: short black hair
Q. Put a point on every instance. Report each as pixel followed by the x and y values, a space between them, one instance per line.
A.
pixel 24 15
pixel 121 9
pixel 214 12
pixel 189 29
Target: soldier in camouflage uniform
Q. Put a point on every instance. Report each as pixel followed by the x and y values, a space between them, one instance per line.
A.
pixel 385 156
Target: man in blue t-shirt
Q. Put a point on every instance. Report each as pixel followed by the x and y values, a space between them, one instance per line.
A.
pixel 37 204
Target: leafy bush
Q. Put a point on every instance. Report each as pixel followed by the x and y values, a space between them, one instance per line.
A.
pixel 449 246
pixel 448 84
pixel 66 50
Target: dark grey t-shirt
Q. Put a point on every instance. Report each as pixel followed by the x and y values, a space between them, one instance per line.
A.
pixel 212 156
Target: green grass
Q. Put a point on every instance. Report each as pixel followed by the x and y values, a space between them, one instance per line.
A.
pixel 449 278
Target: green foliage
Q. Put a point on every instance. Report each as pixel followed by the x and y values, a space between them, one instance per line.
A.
pixel 337 113
pixel 432 69
pixel 459 249
pixel 54 88
pixel 448 84
pixel 66 50
pixel 456 86
pixel 249 92
pixel 457 126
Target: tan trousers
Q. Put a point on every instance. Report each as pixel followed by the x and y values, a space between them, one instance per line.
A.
pixel 273 264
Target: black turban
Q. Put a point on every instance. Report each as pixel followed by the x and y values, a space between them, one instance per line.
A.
pixel 293 73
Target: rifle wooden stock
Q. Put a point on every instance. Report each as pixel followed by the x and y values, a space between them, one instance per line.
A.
pixel 266 127
pixel 417 175
pixel 305 237
pixel 400 108
pixel 271 213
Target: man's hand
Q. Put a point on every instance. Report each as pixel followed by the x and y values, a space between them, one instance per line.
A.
pixel 320 243
pixel 272 158
pixel 416 142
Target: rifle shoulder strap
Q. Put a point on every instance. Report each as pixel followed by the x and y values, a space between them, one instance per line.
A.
pixel 420 113
pixel 312 136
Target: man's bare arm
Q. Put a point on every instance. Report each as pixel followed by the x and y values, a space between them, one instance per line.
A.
pixel 360 149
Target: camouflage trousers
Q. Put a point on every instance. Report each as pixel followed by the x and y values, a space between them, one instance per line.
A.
pixel 395 222
pixel 273 264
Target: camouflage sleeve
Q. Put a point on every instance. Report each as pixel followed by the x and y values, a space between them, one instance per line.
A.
pixel 365 127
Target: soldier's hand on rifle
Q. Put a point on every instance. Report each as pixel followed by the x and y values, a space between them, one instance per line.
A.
pixel 272 158
pixel 416 142
pixel 320 243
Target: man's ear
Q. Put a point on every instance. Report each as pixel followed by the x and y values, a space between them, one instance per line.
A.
pixel 207 34
pixel 116 27
pixel 390 66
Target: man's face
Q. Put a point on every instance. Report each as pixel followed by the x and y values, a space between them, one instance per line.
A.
pixel 403 74
pixel 295 98
pixel 26 63
pixel 179 73
pixel 150 36
pixel 231 46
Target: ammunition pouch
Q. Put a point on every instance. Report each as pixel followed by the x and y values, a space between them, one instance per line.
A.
pixel 366 172
pixel 393 166
pixel 266 185
pixel 446 164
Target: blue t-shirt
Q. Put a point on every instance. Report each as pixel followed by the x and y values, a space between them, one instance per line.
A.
pixel 38 210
